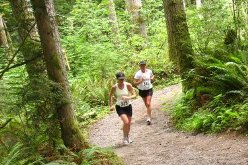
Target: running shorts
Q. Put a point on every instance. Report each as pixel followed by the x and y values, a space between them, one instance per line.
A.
pixel 124 110
pixel 145 93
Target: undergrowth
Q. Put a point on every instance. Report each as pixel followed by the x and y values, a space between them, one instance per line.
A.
pixel 224 84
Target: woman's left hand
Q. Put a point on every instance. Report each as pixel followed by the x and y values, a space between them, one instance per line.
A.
pixel 125 97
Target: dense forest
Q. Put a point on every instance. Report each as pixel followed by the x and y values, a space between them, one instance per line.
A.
pixel 58 60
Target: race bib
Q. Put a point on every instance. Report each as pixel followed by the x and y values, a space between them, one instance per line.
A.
pixel 146 83
pixel 124 103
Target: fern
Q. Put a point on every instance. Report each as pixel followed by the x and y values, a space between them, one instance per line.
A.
pixel 14 154
pixel 96 156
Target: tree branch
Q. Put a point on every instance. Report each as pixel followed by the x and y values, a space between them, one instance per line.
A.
pixel 7 68
pixel 5 123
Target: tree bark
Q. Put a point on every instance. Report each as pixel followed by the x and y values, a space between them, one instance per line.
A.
pixel 134 8
pixel 3 35
pixel 180 47
pixel 113 17
pixel 44 15
pixel 28 34
pixel 198 4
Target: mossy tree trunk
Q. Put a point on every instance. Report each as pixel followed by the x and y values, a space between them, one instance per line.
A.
pixel 36 69
pixel 180 47
pixel 44 15
pixel 29 38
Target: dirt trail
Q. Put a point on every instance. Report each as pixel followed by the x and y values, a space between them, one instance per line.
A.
pixel 158 144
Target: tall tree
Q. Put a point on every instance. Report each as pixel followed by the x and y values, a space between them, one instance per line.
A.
pixel 134 8
pixel 45 18
pixel 113 17
pixel 31 50
pixel 29 39
pixel 180 47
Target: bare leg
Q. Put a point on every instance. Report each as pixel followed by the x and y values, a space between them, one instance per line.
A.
pixel 147 101
pixel 144 99
pixel 148 106
pixel 126 124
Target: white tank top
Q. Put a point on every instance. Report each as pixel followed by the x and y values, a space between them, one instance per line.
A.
pixel 122 92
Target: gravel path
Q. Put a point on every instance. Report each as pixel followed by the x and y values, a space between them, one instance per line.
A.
pixel 159 144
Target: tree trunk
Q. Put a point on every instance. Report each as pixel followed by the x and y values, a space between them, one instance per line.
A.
pixel 184 4
pixel 36 69
pixel 180 47
pixel 113 17
pixel 134 8
pixel 29 37
pixel 198 4
pixel 3 35
pixel 44 15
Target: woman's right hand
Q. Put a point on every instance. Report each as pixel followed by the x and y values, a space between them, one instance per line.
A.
pixel 112 108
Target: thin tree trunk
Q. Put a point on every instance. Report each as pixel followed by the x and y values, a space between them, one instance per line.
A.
pixel 3 35
pixel 5 40
pixel 113 17
pixel 184 4
pixel 180 47
pixel 134 8
pixel 198 4
pixel 44 15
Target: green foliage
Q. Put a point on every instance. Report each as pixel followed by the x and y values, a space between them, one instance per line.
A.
pixel 9 90
pixel 95 55
pixel 13 154
pixel 93 91
pixel 222 75
pixel 200 121
pixel 208 24
pixel 92 49
pixel 99 156
pixel 183 109
pixel 224 79
pixel 18 153
pixel 34 124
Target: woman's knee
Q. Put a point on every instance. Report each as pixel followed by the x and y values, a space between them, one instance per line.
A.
pixel 148 104
pixel 126 122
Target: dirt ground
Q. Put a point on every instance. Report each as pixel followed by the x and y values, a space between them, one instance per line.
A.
pixel 160 144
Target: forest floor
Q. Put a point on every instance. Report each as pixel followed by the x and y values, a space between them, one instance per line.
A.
pixel 160 144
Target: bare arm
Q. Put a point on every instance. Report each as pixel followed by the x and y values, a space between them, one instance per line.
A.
pixel 111 94
pixel 137 81
pixel 152 78
pixel 132 91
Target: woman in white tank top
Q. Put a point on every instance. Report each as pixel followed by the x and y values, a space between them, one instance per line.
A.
pixel 123 92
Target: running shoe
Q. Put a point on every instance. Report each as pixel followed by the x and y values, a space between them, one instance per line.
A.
pixel 125 142
pixel 148 121
pixel 129 140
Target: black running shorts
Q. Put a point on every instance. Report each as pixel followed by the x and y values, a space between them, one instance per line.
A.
pixel 124 110
pixel 145 93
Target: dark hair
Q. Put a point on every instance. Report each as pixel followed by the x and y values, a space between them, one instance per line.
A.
pixel 120 75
